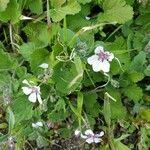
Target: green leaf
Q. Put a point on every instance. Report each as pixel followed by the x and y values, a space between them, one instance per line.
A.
pixel 116 11
pixel 135 76
pixel 133 92
pixel 38 57
pixel 73 21
pixel 58 116
pixel 90 100
pixel 147 71
pixel 36 6
pixel 106 111
pixel 145 114
pixel 57 3
pixel 119 48
pixel 68 76
pixel 91 105
pixel 22 109
pixel 84 1
pixel 38 33
pixel 79 106
pixel 3 4
pixel 42 141
pixel 78 111
pixel 60 105
pixel 33 54
pixel 116 107
pixel 58 13
pixel 6 61
pixel 26 49
pixel 11 119
pixel 120 146
pixel 11 13
pixel 138 62
pixel 65 132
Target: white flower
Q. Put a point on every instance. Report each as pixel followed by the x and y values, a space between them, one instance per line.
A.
pixel 100 61
pixel 44 65
pixel 37 124
pixel 33 92
pixel 89 136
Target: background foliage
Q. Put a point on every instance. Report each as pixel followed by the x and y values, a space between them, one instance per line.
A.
pixel 55 34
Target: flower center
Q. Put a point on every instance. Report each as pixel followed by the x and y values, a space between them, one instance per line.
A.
pixel 34 90
pixel 103 56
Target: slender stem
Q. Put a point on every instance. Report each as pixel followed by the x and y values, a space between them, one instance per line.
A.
pixel 103 84
pixel 11 37
pixel 30 145
pixel 112 147
pixel 113 32
pixel 88 28
pixel 48 14
pixel 90 78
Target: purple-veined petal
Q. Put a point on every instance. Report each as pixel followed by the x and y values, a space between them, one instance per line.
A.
pixel 26 90
pixel 32 97
pixel 92 59
pixel 99 49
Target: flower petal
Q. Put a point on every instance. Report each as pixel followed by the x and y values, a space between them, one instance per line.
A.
pixel 83 136
pixel 111 56
pixel 34 125
pixel 26 90
pixel 39 98
pixel 96 66
pixel 25 82
pixel 32 97
pixel 97 140
pixel 99 49
pixel 90 140
pixel 38 89
pixel 40 124
pixel 89 132
pixel 105 66
pixel 77 132
pixel 92 59
pixel 101 133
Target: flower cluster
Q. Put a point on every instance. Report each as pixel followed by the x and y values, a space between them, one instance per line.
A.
pixel 100 60
pixel 33 92
pixel 89 136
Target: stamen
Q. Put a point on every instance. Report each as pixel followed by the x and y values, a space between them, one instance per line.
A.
pixel 103 56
